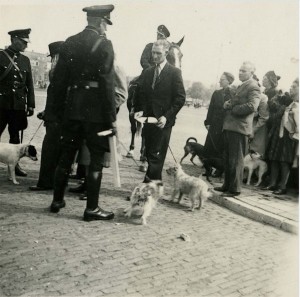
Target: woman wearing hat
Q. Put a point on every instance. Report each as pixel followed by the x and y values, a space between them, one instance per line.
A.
pixel 215 116
pixel 281 146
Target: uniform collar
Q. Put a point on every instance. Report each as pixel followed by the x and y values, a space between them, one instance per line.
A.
pixel 12 51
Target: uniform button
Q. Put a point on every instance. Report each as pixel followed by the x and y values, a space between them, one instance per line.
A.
pixel 13 90
pixel 87 87
pixel 15 76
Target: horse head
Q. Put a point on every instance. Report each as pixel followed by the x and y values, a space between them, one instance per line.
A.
pixel 175 55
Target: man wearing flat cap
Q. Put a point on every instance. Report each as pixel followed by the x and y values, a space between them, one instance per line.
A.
pixel 146 58
pixel 51 143
pixel 83 90
pixel 16 88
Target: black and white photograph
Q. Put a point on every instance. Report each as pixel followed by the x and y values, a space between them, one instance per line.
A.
pixel 149 148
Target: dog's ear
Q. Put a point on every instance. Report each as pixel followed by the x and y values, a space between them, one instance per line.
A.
pixel 32 151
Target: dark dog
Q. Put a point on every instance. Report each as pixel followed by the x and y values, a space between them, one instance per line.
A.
pixel 193 148
pixel 209 164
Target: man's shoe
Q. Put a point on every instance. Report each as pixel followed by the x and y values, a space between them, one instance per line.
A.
pixel 270 188
pixel 57 205
pixel 37 188
pixel 19 171
pixel 230 194
pixel 79 189
pixel 97 214
pixel 220 189
pixel 280 192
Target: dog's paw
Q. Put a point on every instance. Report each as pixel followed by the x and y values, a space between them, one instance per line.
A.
pixel 16 182
pixel 144 222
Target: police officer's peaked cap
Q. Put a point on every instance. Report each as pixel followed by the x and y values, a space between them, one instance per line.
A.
pixel 54 47
pixel 102 11
pixel 21 33
pixel 162 30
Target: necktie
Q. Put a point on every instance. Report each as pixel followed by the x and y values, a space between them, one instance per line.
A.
pixel 155 77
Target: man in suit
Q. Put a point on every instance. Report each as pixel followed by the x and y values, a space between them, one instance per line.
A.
pixel 16 88
pixel 51 143
pixel 237 128
pixel 83 85
pixel 146 58
pixel 161 95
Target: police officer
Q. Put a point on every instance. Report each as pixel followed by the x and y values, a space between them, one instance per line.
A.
pixel 51 143
pixel 146 58
pixel 84 89
pixel 16 88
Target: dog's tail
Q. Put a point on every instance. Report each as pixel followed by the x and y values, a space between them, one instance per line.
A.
pixel 191 138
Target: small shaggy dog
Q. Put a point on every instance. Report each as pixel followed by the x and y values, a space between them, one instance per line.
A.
pixel 145 195
pixel 252 162
pixel 194 187
pixel 10 154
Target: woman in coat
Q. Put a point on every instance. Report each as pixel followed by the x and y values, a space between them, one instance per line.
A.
pixel 214 146
pixel 281 146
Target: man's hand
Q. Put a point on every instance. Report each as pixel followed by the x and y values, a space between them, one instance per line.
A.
pixel 41 115
pixel 138 114
pixel 30 111
pixel 227 105
pixel 161 122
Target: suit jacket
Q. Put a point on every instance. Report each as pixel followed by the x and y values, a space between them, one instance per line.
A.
pixel 84 58
pixel 16 91
pixel 244 104
pixel 167 97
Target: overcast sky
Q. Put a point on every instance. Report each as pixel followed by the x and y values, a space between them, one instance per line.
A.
pixel 219 35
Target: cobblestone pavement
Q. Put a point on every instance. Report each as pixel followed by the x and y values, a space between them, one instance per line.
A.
pixel 45 254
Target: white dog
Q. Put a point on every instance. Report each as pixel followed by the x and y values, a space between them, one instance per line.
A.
pixel 195 188
pixel 145 195
pixel 10 154
pixel 252 162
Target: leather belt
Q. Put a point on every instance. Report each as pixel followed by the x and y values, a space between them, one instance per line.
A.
pixel 86 84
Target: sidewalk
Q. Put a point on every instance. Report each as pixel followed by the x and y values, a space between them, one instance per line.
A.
pixel 280 211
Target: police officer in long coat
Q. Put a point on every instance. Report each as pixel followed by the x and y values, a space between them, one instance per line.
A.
pixel 16 88
pixel 84 90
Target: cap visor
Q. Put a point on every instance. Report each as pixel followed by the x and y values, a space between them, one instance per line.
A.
pixel 25 39
pixel 108 21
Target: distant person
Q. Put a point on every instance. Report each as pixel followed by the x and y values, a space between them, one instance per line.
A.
pixel 147 58
pixel 17 100
pixel 83 84
pixel 214 146
pixel 282 143
pixel 51 144
pixel 161 95
pixel 237 128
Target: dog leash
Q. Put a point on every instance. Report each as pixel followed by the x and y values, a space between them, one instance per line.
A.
pixel 128 152
pixel 172 154
pixel 36 131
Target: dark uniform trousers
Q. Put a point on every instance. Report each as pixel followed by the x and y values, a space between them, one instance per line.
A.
pixel 235 145
pixel 73 134
pixel 50 154
pixel 156 142
pixel 13 119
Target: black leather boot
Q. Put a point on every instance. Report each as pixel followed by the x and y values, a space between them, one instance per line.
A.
pixel 19 171
pixel 60 184
pixel 93 211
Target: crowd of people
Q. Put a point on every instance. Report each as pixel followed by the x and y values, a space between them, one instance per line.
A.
pixel 87 88
pixel 254 118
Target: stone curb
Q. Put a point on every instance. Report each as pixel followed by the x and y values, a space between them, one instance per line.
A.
pixel 256 213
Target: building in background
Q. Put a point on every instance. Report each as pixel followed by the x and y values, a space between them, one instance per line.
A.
pixel 40 66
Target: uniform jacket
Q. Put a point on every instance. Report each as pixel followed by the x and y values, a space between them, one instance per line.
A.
pixel 244 104
pixel 85 58
pixel 168 95
pixel 15 91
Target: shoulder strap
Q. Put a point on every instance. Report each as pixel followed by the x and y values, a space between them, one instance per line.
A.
pixel 5 73
pixel 14 64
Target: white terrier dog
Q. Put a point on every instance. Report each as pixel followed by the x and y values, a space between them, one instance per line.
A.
pixel 253 161
pixel 195 188
pixel 145 195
